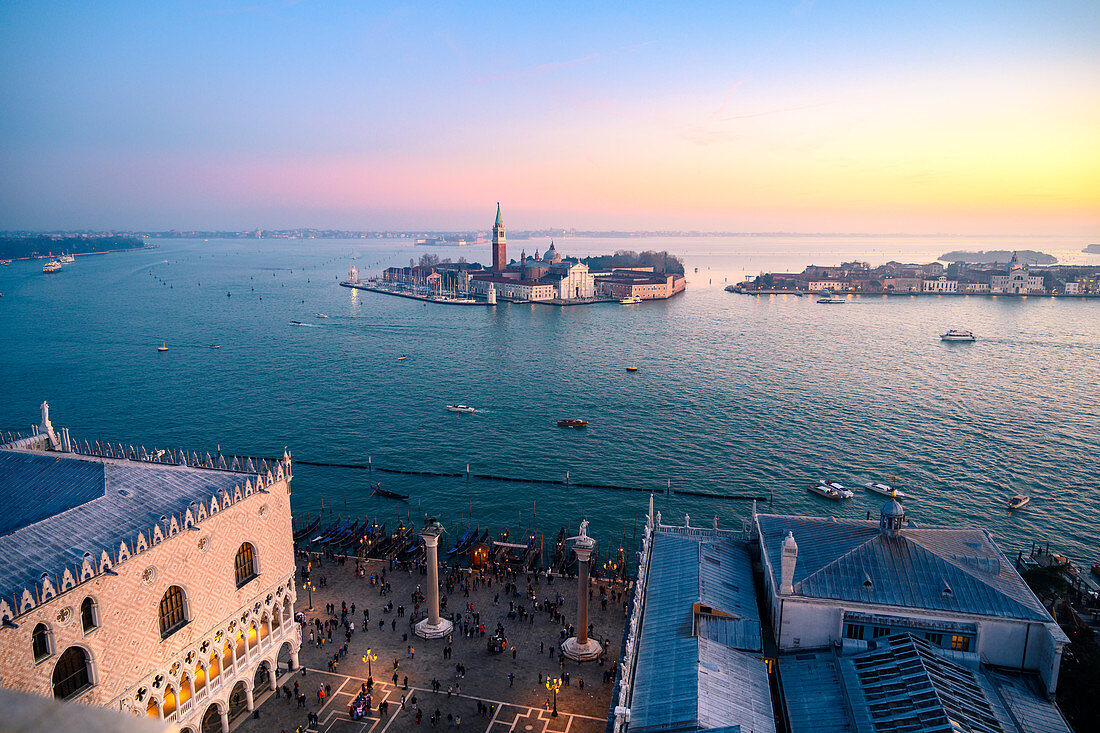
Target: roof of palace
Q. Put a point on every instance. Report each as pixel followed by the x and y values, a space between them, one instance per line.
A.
pixel 71 516
pixel 933 568
pixel 903 683
pixel 693 671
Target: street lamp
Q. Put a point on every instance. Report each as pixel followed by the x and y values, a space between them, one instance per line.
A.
pixel 308 586
pixel 368 658
pixel 554 684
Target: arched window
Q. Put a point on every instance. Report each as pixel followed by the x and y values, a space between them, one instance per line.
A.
pixel 245 564
pixel 88 615
pixel 173 614
pixel 71 674
pixel 40 642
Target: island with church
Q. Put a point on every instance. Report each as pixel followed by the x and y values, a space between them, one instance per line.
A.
pixel 550 277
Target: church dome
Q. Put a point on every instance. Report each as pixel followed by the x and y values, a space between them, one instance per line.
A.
pixel 893 508
pixel 552 254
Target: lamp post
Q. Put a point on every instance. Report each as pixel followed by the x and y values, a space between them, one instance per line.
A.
pixel 554 684
pixel 309 587
pixel 368 658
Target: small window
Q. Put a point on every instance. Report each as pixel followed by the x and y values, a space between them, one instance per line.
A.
pixel 853 631
pixel 40 642
pixel 173 615
pixel 245 564
pixel 960 643
pixel 71 675
pixel 88 615
pixel 936 639
pixel 880 631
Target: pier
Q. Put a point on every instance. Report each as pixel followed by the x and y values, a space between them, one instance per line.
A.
pixel 441 300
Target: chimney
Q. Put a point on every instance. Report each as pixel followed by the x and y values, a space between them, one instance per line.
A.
pixel 786 567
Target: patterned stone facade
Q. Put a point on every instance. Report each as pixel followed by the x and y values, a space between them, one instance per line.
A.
pixel 233 638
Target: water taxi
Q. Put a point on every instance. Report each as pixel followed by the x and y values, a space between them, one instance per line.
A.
pixel 831 299
pixel 572 422
pixel 823 489
pixel 958 335
pixel 1018 501
pixel 632 300
pixel 163 347
pixel 460 408
pixel 884 490
pixel 296 323
pixel 51 266
pixel 633 367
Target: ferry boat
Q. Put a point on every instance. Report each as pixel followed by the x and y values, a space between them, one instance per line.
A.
pixel 632 300
pixel 66 259
pixel 829 492
pixel 460 408
pixel 51 266
pixel 5 263
pixel 1018 501
pixel 958 335
pixel 572 422
pixel 884 490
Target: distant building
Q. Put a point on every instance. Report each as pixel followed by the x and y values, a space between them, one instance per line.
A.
pixel 1016 280
pixel 1072 288
pixel 500 245
pixel 940 285
pixel 903 284
pixel 157 584
pixel 647 286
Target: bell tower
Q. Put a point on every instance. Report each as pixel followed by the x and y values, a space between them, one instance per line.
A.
pixel 500 246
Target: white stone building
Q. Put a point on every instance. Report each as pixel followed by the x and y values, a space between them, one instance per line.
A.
pixel 941 285
pixel 1017 281
pixel 158 583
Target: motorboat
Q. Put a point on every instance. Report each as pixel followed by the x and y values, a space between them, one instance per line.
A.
pixel 1018 501
pixel 51 266
pixel 403 357
pixel 838 487
pixel 633 367
pixel 830 298
pixel 320 315
pixel 460 408
pixel 631 300
pixel 572 422
pixel 163 346
pixel 958 335
pixel 296 323
pixel 884 490
pixel 823 489
pixel 215 346
pixel 66 259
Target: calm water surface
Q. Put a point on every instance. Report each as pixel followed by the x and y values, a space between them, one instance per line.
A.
pixel 734 394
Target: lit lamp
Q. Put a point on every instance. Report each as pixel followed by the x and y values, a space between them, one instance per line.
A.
pixel 308 586
pixel 368 658
pixel 554 684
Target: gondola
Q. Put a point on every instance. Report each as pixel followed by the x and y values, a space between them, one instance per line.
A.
pixel 331 530
pixel 337 540
pixel 460 545
pixel 303 533
pixel 379 491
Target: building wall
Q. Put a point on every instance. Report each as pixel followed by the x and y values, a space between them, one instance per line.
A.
pixel 126 649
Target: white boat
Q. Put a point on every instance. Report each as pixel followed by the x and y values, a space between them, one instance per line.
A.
pixel 832 299
pixel 823 489
pixel 632 300
pixel 1018 501
pixel 320 315
pixel 51 266
pixel 883 489
pixel 460 408
pixel 958 335
pixel 66 259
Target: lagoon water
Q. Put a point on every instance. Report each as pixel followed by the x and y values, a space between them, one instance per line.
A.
pixel 734 394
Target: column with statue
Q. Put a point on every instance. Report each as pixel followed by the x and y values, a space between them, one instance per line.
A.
pixel 580 648
pixel 433 627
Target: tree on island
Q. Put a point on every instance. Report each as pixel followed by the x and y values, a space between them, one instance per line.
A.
pixel 659 261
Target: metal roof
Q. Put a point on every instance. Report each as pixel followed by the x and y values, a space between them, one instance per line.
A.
pixel 58 508
pixel 685 682
pixel 900 684
pixel 933 568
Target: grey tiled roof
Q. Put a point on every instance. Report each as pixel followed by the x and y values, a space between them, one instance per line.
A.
pixel 932 568
pixel 684 682
pixel 62 508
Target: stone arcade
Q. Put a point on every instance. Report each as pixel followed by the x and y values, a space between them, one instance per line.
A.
pixel 158 583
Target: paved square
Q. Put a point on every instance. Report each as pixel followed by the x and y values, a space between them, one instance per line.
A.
pixel 511 690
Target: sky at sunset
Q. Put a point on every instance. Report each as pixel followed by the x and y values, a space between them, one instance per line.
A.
pixel 954 117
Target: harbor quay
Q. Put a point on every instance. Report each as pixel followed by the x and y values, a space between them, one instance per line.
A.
pixel 455 678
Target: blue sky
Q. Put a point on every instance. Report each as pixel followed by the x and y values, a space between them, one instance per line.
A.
pixel 800 116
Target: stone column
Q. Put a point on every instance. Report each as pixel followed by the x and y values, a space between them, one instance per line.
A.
pixel 580 648
pixel 248 697
pixel 271 676
pixel 433 627
pixel 293 660
pixel 225 720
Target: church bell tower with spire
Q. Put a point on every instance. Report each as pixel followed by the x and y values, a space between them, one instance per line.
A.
pixel 500 246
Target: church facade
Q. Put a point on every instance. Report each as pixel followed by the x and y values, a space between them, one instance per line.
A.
pixel 157 583
pixel 1017 280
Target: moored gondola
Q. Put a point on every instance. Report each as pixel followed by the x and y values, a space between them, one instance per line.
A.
pixel 303 533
